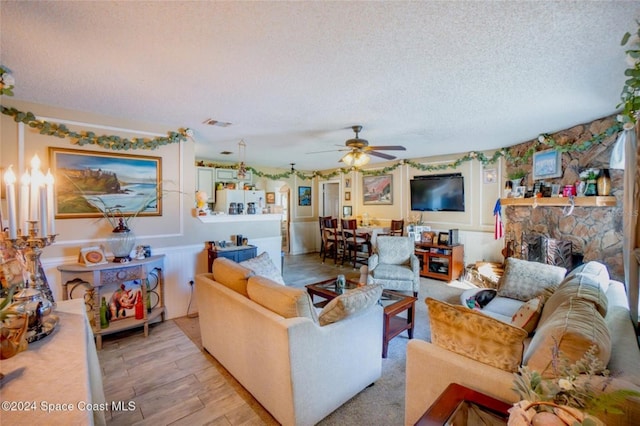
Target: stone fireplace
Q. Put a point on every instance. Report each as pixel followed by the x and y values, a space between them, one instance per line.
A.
pixel 595 233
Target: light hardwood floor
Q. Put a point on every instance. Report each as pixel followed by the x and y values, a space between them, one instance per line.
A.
pixel 173 381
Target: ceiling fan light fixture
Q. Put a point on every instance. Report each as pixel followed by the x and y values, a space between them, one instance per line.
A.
pixel 356 159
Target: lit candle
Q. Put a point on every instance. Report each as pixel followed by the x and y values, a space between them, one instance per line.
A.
pixel 43 209
pixel 50 209
pixel 35 188
pixel 10 180
pixel 25 181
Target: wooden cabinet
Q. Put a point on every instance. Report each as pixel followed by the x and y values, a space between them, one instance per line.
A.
pixel 440 262
pixel 205 181
pixel 231 175
pixel 95 282
pixel 235 253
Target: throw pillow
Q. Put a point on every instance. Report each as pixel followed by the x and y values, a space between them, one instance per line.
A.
pixel 288 302
pixel 475 335
pixel 231 274
pixel 595 269
pixel 263 266
pixel 528 315
pixel 350 303
pixel 523 280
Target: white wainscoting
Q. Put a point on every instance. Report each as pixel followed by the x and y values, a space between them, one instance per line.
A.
pixel 181 265
pixel 305 237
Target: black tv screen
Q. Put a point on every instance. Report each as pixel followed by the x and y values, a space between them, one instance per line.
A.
pixel 437 193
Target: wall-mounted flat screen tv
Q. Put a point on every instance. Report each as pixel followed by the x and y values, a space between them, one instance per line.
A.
pixel 437 193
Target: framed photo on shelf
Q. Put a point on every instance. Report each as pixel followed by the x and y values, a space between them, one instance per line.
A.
pixel 428 237
pixel 347 211
pixel 377 190
pixel 443 238
pixel 85 182
pixel 547 164
pixel 304 195
pixel 271 197
pixel 347 196
pixel 92 256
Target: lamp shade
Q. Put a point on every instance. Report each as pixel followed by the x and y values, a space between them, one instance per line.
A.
pixel 617 153
pixel 356 159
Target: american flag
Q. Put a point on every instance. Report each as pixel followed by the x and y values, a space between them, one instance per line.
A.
pixel 498 229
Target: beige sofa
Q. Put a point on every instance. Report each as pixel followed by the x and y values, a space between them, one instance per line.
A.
pixel 475 349
pixel 270 338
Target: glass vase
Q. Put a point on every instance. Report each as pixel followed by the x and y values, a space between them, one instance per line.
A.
pixel 121 242
pixel 604 183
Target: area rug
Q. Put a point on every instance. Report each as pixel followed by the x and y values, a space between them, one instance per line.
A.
pixel 383 403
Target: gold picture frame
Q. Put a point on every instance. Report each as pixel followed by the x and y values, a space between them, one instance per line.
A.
pixel 88 183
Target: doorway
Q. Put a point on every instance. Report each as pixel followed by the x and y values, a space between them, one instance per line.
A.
pixel 330 199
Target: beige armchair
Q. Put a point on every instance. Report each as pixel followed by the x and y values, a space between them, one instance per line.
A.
pixel 395 265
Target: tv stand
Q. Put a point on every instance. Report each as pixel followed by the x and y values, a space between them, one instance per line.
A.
pixel 441 262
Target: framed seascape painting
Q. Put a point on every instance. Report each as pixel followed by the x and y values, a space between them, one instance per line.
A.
pixel 94 184
pixel 304 195
pixel 377 189
pixel 547 164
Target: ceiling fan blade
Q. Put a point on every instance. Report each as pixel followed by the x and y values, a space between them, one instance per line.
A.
pixel 381 155
pixel 386 148
pixel 330 150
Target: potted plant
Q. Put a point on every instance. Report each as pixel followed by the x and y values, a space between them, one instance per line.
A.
pixel 516 177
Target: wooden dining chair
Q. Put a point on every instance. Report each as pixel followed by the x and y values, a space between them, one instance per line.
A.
pixel 397 228
pixel 321 220
pixel 356 247
pixel 331 239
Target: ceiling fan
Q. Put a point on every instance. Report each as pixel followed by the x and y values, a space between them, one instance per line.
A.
pixel 359 150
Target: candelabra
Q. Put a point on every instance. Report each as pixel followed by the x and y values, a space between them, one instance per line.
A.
pixel 37 299
pixel 31 246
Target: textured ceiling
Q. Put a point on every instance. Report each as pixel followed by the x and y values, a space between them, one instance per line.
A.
pixel 292 77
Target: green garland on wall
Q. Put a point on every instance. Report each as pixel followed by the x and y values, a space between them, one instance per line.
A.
pixel 118 143
pixel 544 140
pixel 115 143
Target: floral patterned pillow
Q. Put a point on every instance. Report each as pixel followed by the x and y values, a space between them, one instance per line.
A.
pixel 523 280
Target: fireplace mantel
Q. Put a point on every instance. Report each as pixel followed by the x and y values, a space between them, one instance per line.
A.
pixel 598 201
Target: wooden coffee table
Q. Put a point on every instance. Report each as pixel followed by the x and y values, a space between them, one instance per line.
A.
pixel 394 304
pixel 451 399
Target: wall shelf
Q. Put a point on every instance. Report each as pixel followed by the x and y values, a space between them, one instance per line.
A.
pixel 597 201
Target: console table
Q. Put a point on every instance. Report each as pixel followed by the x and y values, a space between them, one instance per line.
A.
pixel 91 283
pixel 57 380
pixel 439 261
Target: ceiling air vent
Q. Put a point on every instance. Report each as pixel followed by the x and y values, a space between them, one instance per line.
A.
pixel 212 122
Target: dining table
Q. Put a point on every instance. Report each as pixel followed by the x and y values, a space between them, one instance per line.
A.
pixel 373 232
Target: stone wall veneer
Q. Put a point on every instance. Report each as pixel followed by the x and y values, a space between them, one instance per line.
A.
pixel 594 232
